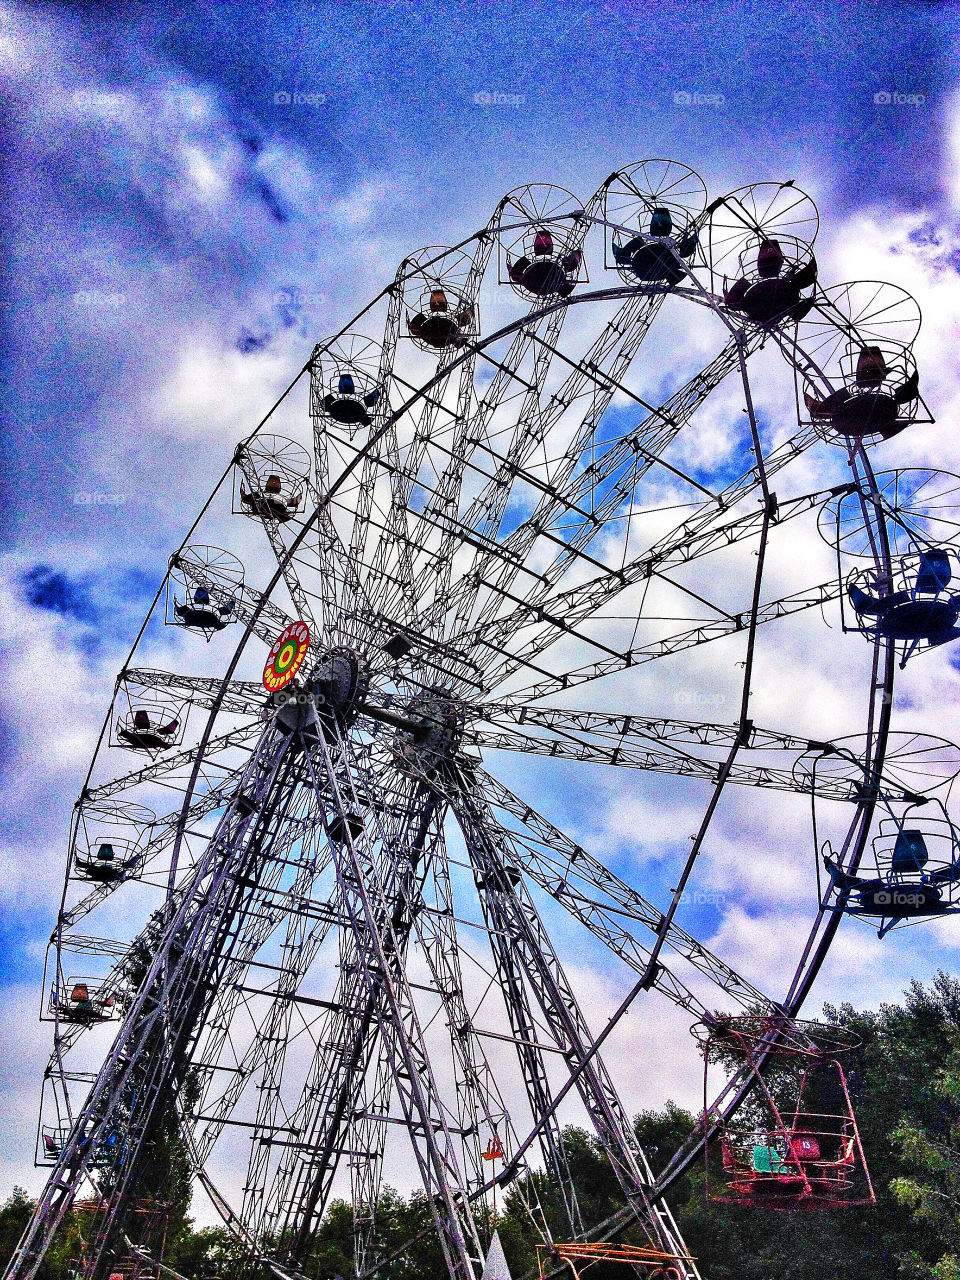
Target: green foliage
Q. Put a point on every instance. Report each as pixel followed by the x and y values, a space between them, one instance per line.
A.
pixel 930 1150
pixel 14 1216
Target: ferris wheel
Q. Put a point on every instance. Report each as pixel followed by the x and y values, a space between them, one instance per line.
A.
pixel 315 905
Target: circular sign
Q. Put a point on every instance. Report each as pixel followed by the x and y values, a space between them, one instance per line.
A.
pixel 284 659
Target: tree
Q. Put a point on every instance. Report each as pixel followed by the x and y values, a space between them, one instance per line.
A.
pixel 931 1190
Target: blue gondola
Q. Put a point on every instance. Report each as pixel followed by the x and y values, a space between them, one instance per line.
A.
pixel 201 614
pixel 349 403
pixel 109 863
pixel 913 871
pixel 915 607
pixel 656 263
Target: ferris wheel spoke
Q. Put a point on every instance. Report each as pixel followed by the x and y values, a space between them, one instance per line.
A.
pixel 270 1048
pixel 340 587
pixel 595 380
pixel 266 906
pixel 392 556
pixel 533 343
pixel 621 729
pixel 510 911
pixel 623 464
pixel 385 443
pixel 308 925
pixel 769 611
pixel 529 346
pixel 564 869
pixel 537 341
pixel 353 599
pixel 449 448
pixel 335 577
pixel 563 611
pixel 179 762
pixel 627 743
pixel 607 928
pixel 407 466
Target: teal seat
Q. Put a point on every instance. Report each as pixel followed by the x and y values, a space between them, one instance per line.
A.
pixel 768 1160
pixel 105 853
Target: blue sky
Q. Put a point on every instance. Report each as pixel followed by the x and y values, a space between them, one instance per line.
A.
pixel 177 239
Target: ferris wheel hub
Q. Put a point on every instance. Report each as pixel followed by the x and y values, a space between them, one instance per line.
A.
pixel 435 729
pixel 338 685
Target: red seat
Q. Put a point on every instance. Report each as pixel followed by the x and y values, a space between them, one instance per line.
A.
pixel 871 367
pixel 804 1147
pixel 770 259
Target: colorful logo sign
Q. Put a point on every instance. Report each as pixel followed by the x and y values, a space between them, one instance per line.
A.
pixel 284 659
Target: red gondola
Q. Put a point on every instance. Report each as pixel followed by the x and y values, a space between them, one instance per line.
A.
pixel 874 400
pixel 543 271
pixel 772 288
pixel 801 1154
